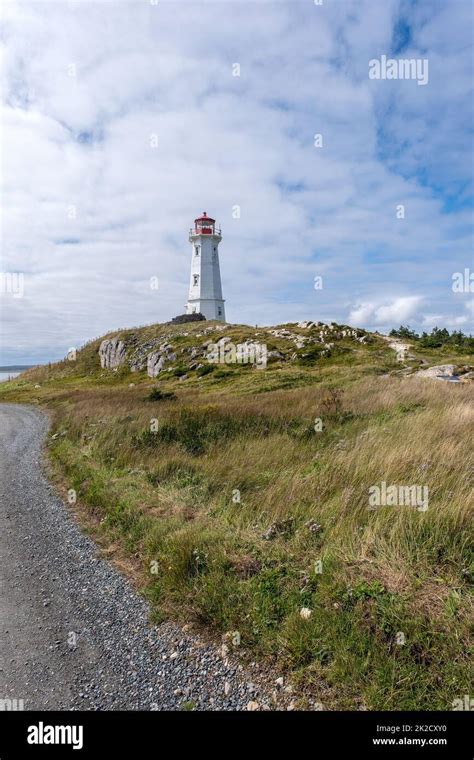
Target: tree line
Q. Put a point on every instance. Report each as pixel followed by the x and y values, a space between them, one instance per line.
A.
pixel 437 338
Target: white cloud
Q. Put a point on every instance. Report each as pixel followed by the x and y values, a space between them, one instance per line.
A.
pixel 393 313
pixel 456 322
pixel 224 140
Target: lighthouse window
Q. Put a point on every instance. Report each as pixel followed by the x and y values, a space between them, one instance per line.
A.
pixel 195 279
pixel 196 250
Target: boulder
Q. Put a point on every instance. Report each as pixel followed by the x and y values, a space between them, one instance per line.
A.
pixel 438 372
pixel 112 353
pixel 154 364
pixel 138 359
pixel 275 355
pixel 183 318
pixel 157 359
pixel 138 364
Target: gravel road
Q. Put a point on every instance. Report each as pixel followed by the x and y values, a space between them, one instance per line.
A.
pixel 73 632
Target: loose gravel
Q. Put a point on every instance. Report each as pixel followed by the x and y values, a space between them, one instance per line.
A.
pixel 74 634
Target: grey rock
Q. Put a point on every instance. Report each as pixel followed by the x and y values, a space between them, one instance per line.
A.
pixel 157 359
pixel 112 352
pixel 438 371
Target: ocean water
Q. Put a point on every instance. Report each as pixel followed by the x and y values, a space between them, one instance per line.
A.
pixel 4 376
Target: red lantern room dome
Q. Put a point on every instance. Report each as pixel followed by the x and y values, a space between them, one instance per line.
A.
pixel 204 225
pixel 205 218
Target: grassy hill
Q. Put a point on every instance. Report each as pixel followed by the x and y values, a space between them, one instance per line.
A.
pixel 239 499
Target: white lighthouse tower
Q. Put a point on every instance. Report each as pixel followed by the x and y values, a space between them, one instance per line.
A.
pixel 205 290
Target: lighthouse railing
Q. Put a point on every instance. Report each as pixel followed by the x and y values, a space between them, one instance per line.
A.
pixel 205 231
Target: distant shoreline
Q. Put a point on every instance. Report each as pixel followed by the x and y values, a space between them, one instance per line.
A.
pixel 16 367
pixel 11 372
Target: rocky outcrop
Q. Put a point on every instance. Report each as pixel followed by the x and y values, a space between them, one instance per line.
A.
pixel 155 354
pixel 138 363
pixel 155 363
pixel 112 353
pixel 307 324
pixel 157 359
pixel 181 319
pixel 139 357
pixel 440 371
pixel 450 372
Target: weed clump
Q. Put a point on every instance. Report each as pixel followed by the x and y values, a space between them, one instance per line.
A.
pixel 158 395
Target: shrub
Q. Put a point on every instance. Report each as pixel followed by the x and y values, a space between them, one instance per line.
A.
pixel 157 395
pixel 206 369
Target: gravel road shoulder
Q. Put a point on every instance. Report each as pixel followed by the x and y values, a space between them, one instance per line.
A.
pixel 74 634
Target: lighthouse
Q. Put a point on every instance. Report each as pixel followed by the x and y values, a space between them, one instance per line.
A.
pixel 205 289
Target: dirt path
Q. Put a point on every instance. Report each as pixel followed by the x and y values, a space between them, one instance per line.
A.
pixel 399 346
pixel 73 632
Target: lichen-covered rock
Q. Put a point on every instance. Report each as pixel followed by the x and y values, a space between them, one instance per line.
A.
pixel 138 359
pixel 439 371
pixel 155 363
pixel 112 352
pixel 138 364
pixel 157 359
pixel 449 372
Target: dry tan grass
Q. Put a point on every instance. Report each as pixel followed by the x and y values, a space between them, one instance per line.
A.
pixel 407 567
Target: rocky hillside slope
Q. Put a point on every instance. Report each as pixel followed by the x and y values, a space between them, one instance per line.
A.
pixel 230 469
pixel 207 351
pixel 191 346
pixel 210 351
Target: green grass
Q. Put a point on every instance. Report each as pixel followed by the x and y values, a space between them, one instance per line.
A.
pixel 240 513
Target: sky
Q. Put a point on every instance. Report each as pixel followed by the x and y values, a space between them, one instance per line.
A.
pixel 123 121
